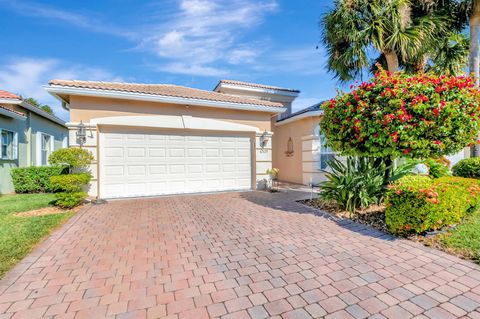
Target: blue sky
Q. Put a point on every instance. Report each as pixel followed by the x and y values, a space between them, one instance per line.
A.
pixel 186 42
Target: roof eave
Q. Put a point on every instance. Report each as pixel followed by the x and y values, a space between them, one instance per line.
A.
pixel 42 113
pixel 12 114
pixel 55 90
pixel 10 101
pixel 298 117
pixel 284 92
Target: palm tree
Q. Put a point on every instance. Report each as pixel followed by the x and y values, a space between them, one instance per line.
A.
pixel 402 33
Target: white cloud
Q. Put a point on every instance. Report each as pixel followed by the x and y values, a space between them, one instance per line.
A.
pixel 32 9
pixel 201 70
pixel 242 56
pixel 27 76
pixel 206 32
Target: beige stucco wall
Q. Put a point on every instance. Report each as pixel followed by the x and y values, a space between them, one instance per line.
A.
pixel 88 108
pixel 291 167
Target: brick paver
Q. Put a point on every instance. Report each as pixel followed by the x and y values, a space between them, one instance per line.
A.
pixel 233 255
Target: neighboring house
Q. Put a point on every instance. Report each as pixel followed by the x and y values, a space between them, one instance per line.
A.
pixel 27 136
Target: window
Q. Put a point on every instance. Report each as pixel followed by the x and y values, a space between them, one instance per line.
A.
pixel 326 153
pixel 8 142
pixel 46 148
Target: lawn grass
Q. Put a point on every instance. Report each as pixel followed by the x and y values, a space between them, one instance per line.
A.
pixel 18 235
pixel 465 239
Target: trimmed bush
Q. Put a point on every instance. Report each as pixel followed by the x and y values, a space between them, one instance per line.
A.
pixel 416 204
pixel 70 182
pixel 74 158
pixel 69 199
pixel 35 179
pixel 468 167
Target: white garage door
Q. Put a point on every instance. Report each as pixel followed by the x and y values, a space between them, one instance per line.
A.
pixel 148 163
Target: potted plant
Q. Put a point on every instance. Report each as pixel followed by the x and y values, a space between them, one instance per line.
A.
pixel 273 175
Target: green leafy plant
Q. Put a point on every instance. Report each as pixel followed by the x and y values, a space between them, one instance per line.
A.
pixel 70 182
pixel 436 169
pixel 416 204
pixel 353 185
pixel 70 187
pixel 74 158
pixel 35 179
pixel 397 115
pixel 469 167
pixel 69 199
pixel 273 172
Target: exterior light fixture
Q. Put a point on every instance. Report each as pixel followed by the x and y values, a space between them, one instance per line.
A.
pixel 289 152
pixel 81 134
pixel 264 138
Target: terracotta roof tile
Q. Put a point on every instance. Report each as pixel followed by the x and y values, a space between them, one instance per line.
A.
pixel 10 110
pixel 164 90
pixel 8 95
pixel 255 85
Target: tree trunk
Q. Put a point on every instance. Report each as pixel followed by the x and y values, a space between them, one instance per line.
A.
pixel 392 60
pixel 474 62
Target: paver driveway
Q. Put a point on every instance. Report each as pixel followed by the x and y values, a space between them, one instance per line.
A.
pixel 232 255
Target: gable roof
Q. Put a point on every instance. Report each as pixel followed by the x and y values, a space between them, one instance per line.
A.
pixel 10 98
pixel 255 85
pixel 165 90
pixel 8 95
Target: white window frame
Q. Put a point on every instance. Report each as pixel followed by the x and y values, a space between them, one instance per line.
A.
pixel 323 151
pixel 14 143
pixel 39 147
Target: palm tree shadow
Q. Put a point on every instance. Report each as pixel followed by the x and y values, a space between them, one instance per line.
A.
pixel 287 201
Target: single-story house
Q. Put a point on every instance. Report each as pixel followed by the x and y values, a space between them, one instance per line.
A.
pixel 28 135
pixel 158 139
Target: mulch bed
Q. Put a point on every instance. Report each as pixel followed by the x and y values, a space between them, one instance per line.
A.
pixel 375 217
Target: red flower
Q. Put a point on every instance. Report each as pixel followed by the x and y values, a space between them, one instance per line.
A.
pixel 407 151
pixel 437 142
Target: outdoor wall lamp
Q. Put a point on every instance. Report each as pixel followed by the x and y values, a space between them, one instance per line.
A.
pixel 264 138
pixel 81 134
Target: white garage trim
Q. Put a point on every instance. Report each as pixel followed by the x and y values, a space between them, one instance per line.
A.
pixel 175 122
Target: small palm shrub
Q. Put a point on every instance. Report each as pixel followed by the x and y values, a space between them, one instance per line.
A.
pixel 416 204
pixel 436 168
pixel 355 184
pixel 468 167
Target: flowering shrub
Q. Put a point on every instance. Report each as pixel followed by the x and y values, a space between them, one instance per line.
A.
pixel 393 115
pixel 416 204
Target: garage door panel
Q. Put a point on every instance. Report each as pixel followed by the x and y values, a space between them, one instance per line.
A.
pixel 147 164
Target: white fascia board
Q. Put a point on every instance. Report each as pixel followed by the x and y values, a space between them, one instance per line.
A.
pixel 12 114
pixel 257 89
pixel 53 89
pixel 42 113
pixel 299 117
pixel 10 101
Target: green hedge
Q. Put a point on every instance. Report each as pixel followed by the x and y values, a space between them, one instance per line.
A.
pixel 416 204
pixel 35 179
pixel 469 167
pixel 70 182
pixel 69 199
